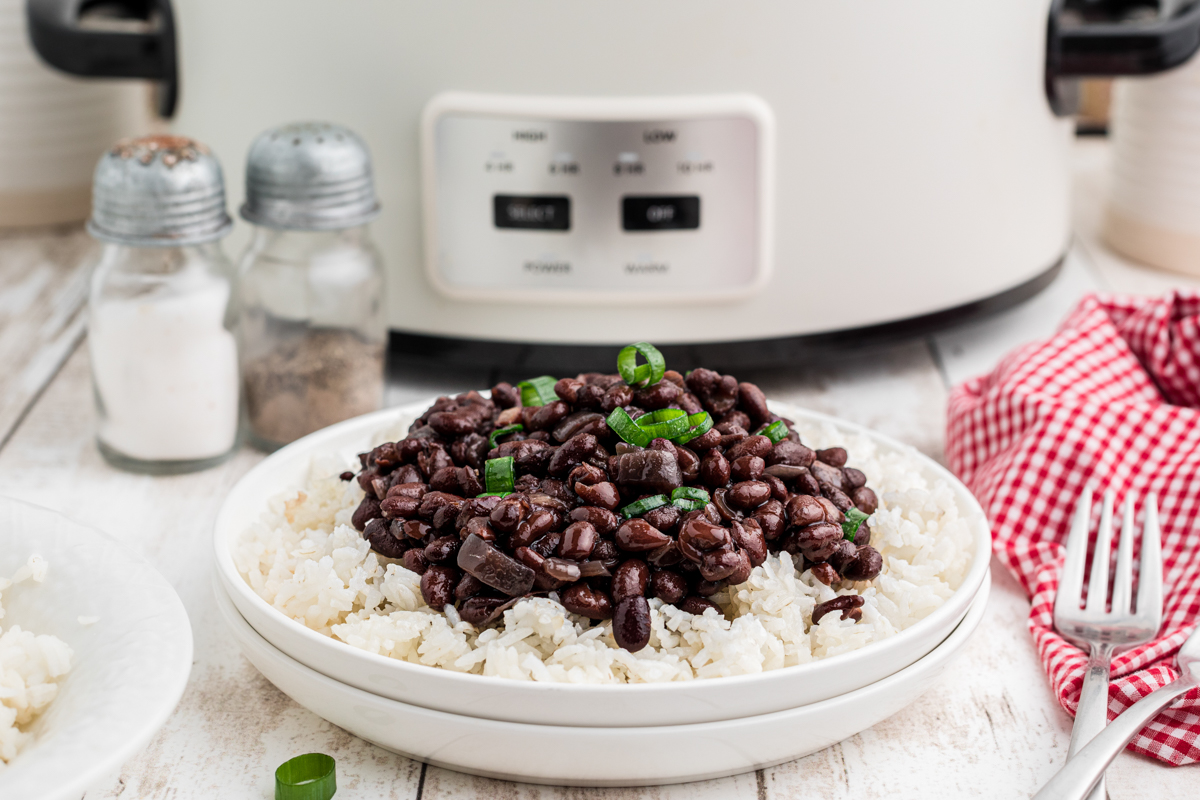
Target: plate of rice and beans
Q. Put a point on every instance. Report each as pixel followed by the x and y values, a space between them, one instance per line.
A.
pixel 644 547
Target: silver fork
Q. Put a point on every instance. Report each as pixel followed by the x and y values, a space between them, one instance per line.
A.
pixel 1101 630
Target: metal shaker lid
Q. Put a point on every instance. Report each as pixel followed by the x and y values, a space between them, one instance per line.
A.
pixel 158 191
pixel 309 176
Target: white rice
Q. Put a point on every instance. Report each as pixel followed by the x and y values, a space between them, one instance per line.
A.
pixel 305 559
pixel 30 666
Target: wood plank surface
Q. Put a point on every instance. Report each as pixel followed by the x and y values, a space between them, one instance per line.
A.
pixel 43 290
pixel 991 729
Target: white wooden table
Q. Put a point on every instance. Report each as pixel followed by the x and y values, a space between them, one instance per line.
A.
pixel 992 729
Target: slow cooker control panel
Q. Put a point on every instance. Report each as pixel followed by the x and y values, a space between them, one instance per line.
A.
pixel 598 199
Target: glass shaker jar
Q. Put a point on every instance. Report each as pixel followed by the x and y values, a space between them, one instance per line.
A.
pixel 310 285
pixel 160 308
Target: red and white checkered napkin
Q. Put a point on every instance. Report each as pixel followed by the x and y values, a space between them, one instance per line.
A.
pixel 1111 400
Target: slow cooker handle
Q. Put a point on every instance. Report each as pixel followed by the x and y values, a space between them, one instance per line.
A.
pixel 65 41
pixel 1110 49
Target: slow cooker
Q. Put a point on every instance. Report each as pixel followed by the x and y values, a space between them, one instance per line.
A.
pixel 688 172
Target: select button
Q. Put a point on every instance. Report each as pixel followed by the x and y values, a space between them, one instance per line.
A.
pixel 643 213
pixel 541 212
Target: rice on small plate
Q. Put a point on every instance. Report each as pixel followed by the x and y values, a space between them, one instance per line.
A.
pixel 30 668
pixel 303 558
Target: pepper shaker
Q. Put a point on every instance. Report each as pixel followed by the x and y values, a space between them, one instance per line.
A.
pixel 160 305
pixel 311 319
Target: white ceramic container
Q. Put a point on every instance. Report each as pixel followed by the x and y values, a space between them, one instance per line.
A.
pixel 549 703
pixel 130 665
pixel 599 756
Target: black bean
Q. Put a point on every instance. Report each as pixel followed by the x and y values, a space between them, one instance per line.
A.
pixel 575 423
pixel 759 446
pixel 833 456
pixel 443 549
pixel 749 494
pixel 415 560
pixel 846 603
pixel 867 565
pixel 779 491
pixel 480 611
pixel 717 565
pixel 842 555
pixel 631 623
pixel 651 471
pixel 509 513
pixel 578 540
pixel 824 473
pixel 770 517
pixel 572 453
pixel 468 586
pixel 816 542
pixel 630 580
pixel 587 602
pixel 698 605
pixel 604 521
pixel 586 474
pixel 639 536
pixel 379 534
pixel 416 529
pixel 804 510
pixel 791 453
pixel 668 586
pixel 568 388
pixel 368 509
pixel 753 402
pixel 660 395
pixel 747 468
pixel 706 441
pixel 698 533
pixel 505 395
pixel 832 512
pixel 825 573
pixel 715 469
pixel 865 499
pixel 604 495
pixel 747 535
pixel 854 478
pixel 437 586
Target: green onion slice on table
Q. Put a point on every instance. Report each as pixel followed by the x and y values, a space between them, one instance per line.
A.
pixel 311 776
pixel 854 518
pixel 505 431
pixel 639 507
pixel 498 475
pixel 776 431
pixel 636 374
pixel 538 391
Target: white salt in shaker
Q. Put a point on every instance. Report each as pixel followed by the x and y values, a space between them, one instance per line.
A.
pixel 311 321
pixel 164 356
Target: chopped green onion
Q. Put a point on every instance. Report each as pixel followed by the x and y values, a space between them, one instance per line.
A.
pixel 505 431
pixel 620 423
pixel 308 777
pixel 494 494
pixel 776 431
pixel 688 505
pixel 538 391
pixel 666 423
pixel 498 474
pixel 700 422
pixel 646 374
pixel 640 507
pixel 690 493
pixel 854 518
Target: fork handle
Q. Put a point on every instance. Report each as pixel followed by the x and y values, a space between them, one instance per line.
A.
pixel 1073 780
pixel 1092 713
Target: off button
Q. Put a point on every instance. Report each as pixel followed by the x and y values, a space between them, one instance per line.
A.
pixel 646 213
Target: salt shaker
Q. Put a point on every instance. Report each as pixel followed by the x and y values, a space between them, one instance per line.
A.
pixel 160 308
pixel 310 285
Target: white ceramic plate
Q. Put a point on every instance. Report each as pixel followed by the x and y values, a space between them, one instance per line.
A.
pixel 550 703
pixel 598 756
pixel 130 665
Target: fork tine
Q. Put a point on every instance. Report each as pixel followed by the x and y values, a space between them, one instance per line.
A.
pixel 1070 585
pixel 1098 580
pixel 1150 593
pixel 1123 579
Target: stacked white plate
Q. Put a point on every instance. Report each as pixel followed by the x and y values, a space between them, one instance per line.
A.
pixel 582 735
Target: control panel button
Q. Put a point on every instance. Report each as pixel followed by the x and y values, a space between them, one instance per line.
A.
pixel 542 212
pixel 642 213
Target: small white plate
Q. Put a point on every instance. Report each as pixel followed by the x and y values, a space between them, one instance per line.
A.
pixel 130 666
pixel 618 705
pixel 598 756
